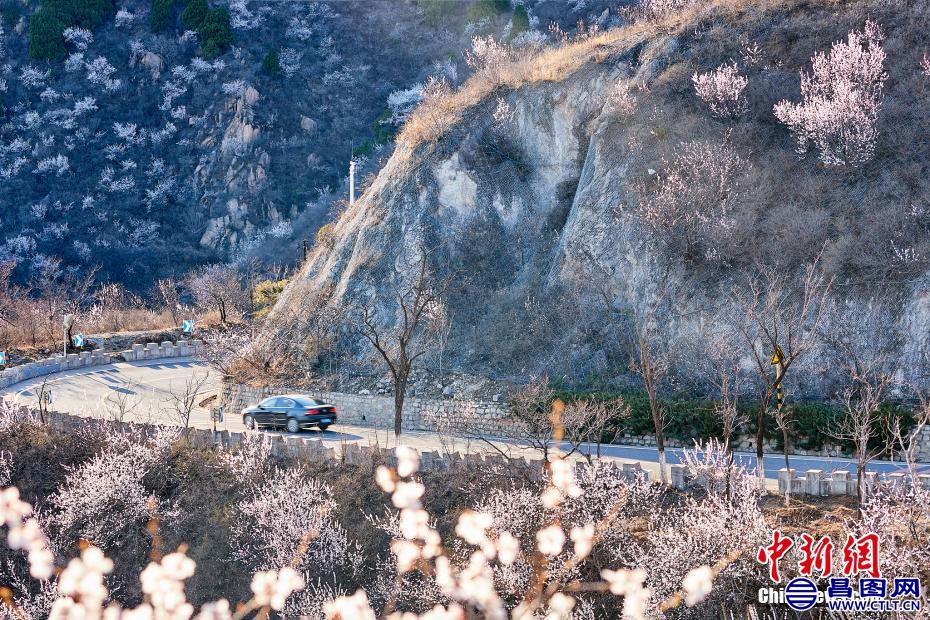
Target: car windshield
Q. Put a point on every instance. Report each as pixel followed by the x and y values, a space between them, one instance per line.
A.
pixel 268 402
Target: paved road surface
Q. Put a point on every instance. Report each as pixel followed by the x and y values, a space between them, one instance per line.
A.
pixel 143 391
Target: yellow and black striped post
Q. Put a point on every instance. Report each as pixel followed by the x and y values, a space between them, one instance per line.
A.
pixel 778 360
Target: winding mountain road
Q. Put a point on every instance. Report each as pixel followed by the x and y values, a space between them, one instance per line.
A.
pixel 142 392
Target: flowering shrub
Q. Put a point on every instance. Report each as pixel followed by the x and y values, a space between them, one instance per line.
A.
pixel 501 562
pixel 103 498
pixel 286 521
pixel 585 541
pixel 694 196
pixel 722 90
pixel 842 98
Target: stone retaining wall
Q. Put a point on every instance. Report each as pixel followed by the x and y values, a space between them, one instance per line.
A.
pixel 303 447
pixel 814 482
pixel 97 357
pixel 452 415
pixel 306 448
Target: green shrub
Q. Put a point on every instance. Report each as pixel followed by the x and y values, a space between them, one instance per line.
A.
pixel 45 39
pixel 195 14
pixel 689 418
pixel 271 63
pixel 489 9
pixel 88 14
pixel 161 17
pixel 383 129
pixel 520 22
pixel 266 295
pixel 52 18
pixel 434 10
pixel 215 34
pixel 210 50
pixel 364 148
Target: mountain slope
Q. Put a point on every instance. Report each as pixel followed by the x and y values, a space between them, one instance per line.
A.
pixel 144 151
pixel 539 168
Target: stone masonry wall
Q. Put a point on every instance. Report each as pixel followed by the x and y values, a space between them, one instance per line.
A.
pixel 85 359
pixel 307 448
pixel 464 416
pixel 452 415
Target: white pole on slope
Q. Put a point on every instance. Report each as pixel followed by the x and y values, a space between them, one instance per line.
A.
pixel 351 182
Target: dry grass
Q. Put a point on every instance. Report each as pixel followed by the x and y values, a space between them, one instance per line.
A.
pixel 430 121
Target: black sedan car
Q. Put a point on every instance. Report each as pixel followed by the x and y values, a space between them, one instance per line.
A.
pixel 291 411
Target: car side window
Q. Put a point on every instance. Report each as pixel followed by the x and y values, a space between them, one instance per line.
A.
pixel 268 402
pixel 287 403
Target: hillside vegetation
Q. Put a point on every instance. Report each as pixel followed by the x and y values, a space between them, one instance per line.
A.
pixel 573 186
pixel 147 137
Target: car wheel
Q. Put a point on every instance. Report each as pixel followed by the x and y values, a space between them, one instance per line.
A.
pixel 250 423
pixel 323 427
pixel 293 426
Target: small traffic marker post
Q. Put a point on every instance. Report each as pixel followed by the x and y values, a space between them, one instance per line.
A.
pixel 187 326
pixel 78 340
pixel 778 360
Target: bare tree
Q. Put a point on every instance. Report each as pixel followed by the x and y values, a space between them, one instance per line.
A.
pixel 221 350
pixel 652 361
pixel 642 313
pixel 778 319
pixel 183 401
pixel 62 293
pixel 550 423
pixel 401 344
pixel 726 375
pixel 862 420
pixel 723 370
pixel 44 397
pixel 439 323
pixel 218 287
pixel 908 442
pixel 302 334
pixel 168 296
pixel 112 299
pixel 122 402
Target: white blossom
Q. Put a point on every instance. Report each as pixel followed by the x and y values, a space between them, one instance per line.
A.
pixel 697 584
pixel 842 99
pixel 722 90
pixel 78 37
pixel 272 588
pixel 550 540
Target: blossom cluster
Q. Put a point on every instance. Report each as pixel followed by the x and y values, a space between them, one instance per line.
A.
pixel 25 533
pixel 722 90
pixel 842 98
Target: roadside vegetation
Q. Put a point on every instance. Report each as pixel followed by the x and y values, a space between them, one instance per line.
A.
pixel 31 314
pixel 343 542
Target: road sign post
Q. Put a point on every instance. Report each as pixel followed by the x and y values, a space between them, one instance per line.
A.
pixel 187 326
pixel 78 340
pixel 2 358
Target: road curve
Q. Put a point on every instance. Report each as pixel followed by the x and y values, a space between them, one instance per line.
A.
pixel 142 392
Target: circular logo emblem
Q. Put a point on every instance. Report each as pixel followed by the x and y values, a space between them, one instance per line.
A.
pixel 801 594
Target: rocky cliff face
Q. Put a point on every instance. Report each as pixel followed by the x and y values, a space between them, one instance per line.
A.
pixel 538 196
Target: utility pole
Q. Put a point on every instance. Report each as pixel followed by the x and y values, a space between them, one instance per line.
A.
pixel 351 182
